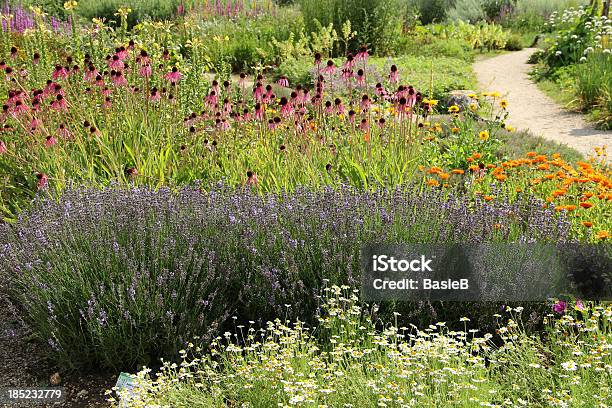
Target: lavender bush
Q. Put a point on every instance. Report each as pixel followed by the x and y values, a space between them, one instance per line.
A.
pixel 119 277
pixel 16 19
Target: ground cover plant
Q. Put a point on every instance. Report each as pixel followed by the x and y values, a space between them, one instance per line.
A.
pixel 348 360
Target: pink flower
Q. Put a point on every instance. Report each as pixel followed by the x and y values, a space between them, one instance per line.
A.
pixel 364 126
pixel 560 307
pixel 90 74
pixel 339 107
pixel 59 72
pixel 118 79
pixel 579 305
pixel 349 63
pixel 258 111
pixel 283 81
pixel 116 63
pixel 155 96
pixel 146 70
pixel 360 77
pixel 212 99
pixel 362 55
pixel 42 180
pixel 258 92
pixel 330 68
pixel 286 107
pixel 365 103
pixel 393 75
pixel 19 108
pixel 3 148
pixel 59 104
pixel 63 132
pixel 50 141
pixel 251 178
pixel 173 76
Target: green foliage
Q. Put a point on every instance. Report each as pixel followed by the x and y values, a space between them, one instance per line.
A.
pixel 431 11
pixel 377 23
pixel 141 10
pixel 594 86
pixel 470 11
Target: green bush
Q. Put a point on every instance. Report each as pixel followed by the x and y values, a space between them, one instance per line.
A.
pixel 514 43
pixel 377 23
pixel 432 10
pixel 428 45
pixel 594 86
pixel 470 11
pixel 141 10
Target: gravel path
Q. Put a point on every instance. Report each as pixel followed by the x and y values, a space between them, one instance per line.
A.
pixel 531 109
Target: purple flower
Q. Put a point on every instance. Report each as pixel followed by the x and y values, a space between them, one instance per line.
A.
pixel 560 307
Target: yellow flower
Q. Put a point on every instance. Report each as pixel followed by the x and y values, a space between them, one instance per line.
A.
pixel 431 102
pixel 455 130
pixel 503 103
pixel 453 109
pixel 472 95
pixel 495 94
pixel 510 128
pixel 484 135
pixel 70 5
pixel 473 107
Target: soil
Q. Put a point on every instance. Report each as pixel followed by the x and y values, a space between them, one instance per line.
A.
pixel 23 364
pixel 531 109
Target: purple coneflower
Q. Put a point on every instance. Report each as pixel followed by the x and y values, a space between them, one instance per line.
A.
pixel 393 74
pixel 283 81
pixel 173 76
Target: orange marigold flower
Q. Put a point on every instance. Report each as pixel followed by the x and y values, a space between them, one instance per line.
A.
pixel 444 176
pixel 586 204
pixel 501 177
pixel 433 183
pixel 544 166
pixel 488 198
pixel 549 176
pixel 558 193
pixel 536 181
pixel 490 166
pixel 556 155
pixel 518 190
pixel 570 207
pixel 531 154
pixel 603 235
pixel 473 167
pixel 457 171
pixel 587 224
pixel 470 159
pixel 435 170
pixel 476 155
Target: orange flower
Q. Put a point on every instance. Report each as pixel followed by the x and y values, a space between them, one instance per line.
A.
pixel 570 207
pixel 558 193
pixel 587 224
pixel 432 183
pixel 586 204
pixel 603 235
pixel 476 155
pixel 556 155
pixel 473 167
pixel 549 176
pixel 544 166
pixel 444 176
pixel 501 177
pixel 457 171
pixel 531 154
pixel 488 198
pixel 588 194
pixel 470 159
pixel 435 170
pixel 519 190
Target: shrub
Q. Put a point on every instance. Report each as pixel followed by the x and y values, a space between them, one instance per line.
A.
pixel 141 10
pixel 377 23
pixel 514 43
pixel 470 11
pixel 594 85
pixel 113 278
pixel 347 360
pixel 433 10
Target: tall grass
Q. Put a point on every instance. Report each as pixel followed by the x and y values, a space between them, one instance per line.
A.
pixel 594 85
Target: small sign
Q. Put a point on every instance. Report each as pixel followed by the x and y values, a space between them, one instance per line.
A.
pixel 125 385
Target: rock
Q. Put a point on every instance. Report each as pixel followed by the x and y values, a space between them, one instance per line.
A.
pixel 82 394
pixel 55 379
pixel 460 98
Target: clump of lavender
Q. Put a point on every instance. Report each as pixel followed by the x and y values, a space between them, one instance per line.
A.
pixel 16 19
pixel 119 277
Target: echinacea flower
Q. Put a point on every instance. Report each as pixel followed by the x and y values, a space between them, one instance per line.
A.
pixel 146 71
pixel 251 178
pixel 3 148
pixel 330 68
pixel 50 141
pixel 393 74
pixel 283 81
pixel 173 76
pixel 42 181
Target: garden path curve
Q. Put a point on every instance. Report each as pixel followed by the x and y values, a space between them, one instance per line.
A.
pixel 531 109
